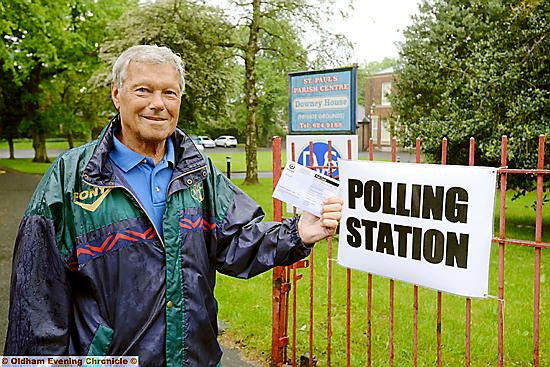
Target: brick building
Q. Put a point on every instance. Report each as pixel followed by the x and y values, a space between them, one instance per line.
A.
pixel 378 106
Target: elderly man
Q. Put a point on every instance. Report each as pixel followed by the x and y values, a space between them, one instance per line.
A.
pixel 118 248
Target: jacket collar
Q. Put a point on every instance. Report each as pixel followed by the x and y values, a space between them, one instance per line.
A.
pixel 189 165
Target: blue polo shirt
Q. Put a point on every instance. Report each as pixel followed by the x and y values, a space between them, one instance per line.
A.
pixel 149 182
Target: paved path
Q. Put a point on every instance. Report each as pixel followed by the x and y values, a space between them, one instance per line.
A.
pixel 15 192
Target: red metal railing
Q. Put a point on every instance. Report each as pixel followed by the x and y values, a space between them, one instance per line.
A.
pixel 285 280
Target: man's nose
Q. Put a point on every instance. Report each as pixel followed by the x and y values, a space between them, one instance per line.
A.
pixel 157 103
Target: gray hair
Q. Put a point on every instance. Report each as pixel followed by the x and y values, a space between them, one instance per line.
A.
pixel 149 54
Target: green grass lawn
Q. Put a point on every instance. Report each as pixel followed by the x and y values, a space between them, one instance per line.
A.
pixel 250 317
pixel 238 160
pixel 246 304
pixel 26 144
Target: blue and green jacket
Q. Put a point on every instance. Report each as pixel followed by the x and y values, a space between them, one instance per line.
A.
pixel 91 276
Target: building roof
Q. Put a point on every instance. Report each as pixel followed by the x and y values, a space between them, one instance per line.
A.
pixel 389 70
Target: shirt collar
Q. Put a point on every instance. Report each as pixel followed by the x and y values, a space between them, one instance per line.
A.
pixel 126 159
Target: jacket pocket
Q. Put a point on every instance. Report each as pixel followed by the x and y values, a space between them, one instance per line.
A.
pixel 101 341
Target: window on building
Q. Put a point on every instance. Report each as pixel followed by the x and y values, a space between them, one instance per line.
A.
pixel 386 90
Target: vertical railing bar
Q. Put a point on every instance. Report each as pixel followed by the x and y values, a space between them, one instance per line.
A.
pixel 329 302
pixel 417 151
pixel 415 289
pixel 538 254
pixel 348 317
pixel 369 289
pixel 294 286
pixel 391 345
pixel 294 313
pixel 415 326
pixel 392 282
pixel 502 234
pixel 439 294
pixel 311 280
pixel 278 272
pixel 285 312
pixel 329 277
pixel 371 150
pixel 467 356
pixel 348 297
pixel 369 320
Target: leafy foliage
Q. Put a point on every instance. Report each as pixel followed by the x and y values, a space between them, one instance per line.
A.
pixel 47 52
pixel 271 31
pixel 195 33
pixel 477 68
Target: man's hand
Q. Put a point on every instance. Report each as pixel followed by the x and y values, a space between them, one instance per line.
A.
pixel 313 229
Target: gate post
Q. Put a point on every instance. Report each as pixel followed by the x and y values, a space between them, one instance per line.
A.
pixel 279 300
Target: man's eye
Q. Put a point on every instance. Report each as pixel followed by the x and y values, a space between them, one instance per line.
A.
pixel 142 90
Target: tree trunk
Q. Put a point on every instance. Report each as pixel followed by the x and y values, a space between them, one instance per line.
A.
pixel 251 97
pixel 31 106
pixel 39 146
pixel 11 148
pixel 70 140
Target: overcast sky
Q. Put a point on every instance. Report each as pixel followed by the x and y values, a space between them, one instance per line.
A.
pixel 376 25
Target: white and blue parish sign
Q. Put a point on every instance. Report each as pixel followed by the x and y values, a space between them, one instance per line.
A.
pixel 323 102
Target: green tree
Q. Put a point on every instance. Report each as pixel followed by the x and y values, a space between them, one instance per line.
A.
pixel 195 33
pixel 276 28
pixel 42 40
pixel 11 106
pixel 476 68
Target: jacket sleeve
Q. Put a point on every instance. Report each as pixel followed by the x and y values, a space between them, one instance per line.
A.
pixel 40 306
pixel 246 245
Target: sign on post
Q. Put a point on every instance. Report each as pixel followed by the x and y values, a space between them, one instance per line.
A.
pixel 430 225
pixel 323 101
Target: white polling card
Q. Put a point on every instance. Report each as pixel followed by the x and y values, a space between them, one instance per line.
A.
pixel 304 188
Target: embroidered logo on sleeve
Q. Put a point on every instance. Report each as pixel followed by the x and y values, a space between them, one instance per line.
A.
pixel 90 199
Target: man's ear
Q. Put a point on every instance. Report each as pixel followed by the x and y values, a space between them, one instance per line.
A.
pixel 115 92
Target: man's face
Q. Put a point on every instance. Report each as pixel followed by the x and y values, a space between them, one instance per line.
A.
pixel 149 104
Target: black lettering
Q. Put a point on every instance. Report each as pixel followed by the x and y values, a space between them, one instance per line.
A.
pixel 401 195
pixel 415 201
pixel 417 243
pixel 402 231
pixel 385 239
pixel 457 250
pixel 387 208
pixel 433 246
pixel 432 202
pixel 354 191
pixel 354 239
pixel 372 196
pixel 369 229
pixel 455 212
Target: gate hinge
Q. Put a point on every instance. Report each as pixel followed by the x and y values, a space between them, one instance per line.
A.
pixel 283 341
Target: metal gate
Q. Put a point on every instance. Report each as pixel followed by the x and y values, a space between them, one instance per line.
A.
pixel 306 313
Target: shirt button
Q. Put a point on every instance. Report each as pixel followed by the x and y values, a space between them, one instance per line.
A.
pixel 169 304
pixel 157 189
pixel 144 161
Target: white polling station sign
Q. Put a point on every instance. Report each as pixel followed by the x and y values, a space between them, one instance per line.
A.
pixel 430 225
